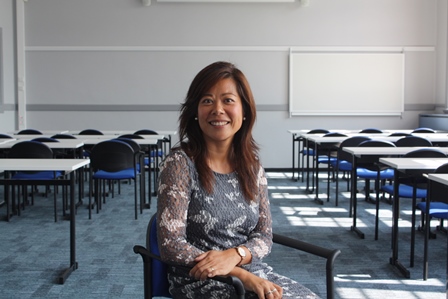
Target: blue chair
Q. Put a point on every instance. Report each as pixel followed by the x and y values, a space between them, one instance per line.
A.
pixel 33 149
pixel 155 270
pixel 343 162
pixel 308 150
pixel 327 154
pixel 435 206
pixel 413 187
pixel 370 169
pixel 110 161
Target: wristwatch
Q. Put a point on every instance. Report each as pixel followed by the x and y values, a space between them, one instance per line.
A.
pixel 242 253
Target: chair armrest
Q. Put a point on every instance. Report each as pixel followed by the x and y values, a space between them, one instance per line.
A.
pixel 147 256
pixel 329 254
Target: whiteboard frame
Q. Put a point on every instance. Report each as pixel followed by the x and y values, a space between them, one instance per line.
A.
pixel 346 50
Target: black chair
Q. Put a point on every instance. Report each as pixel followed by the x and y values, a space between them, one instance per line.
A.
pixel 413 141
pixel 110 161
pixel 327 154
pixel 159 152
pixel 423 130
pixel 88 148
pixel 307 150
pixel 413 186
pixel 368 168
pixel 343 162
pixel 66 153
pixel 435 206
pixel 155 271
pixel 29 132
pixel 32 149
pixel 5 136
pixel 371 131
pixel 399 134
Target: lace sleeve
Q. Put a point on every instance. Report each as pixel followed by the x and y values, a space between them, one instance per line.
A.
pixel 172 204
pixel 260 239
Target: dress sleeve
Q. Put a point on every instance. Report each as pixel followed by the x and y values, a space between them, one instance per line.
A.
pixel 174 193
pixel 259 242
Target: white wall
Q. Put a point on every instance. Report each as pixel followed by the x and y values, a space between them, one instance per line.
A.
pixel 113 64
pixel 7 71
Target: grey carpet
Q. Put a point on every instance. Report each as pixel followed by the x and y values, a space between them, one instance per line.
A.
pixel 34 249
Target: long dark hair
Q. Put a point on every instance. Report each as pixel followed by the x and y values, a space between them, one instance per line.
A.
pixel 244 156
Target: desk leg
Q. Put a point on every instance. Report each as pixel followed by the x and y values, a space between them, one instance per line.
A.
pixel 294 157
pixel 395 218
pixel 73 264
pixel 354 200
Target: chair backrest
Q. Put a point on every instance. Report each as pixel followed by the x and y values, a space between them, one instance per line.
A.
pixel 135 146
pixel 30 149
pixel 63 136
pixel 90 132
pixel 368 160
pixel 423 130
pixel 350 142
pixel 145 132
pixel 413 141
pixel 371 131
pixel 439 190
pixel 426 153
pixel 29 132
pixel 5 136
pixel 112 155
pixel 45 139
pixel 157 283
pixel 132 136
pixel 398 134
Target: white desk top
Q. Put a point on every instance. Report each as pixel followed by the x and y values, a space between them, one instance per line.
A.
pixel 414 163
pixel 45 132
pixel 112 136
pixel 66 165
pixel 145 141
pixel 359 151
pixel 439 177
pixel 62 144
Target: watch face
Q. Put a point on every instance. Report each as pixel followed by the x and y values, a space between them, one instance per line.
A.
pixel 241 252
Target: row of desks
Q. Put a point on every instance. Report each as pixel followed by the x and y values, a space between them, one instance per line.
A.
pixel 69 166
pixel 401 166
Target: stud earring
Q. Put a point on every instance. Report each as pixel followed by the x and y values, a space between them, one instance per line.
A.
pixel 244 118
pixel 195 118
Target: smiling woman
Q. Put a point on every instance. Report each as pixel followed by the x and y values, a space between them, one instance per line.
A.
pixel 213 209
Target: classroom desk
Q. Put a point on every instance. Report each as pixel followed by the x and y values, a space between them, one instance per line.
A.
pixel 441 178
pixel 331 143
pixel 402 165
pixel 151 144
pixel 68 166
pixel 358 152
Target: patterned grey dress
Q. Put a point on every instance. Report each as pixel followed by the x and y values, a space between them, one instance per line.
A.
pixel 191 221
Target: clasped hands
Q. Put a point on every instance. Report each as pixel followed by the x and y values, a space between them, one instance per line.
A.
pixel 213 263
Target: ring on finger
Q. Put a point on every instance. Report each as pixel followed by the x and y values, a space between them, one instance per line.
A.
pixel 271 291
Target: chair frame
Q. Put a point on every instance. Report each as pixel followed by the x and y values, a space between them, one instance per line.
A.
pixel 150 256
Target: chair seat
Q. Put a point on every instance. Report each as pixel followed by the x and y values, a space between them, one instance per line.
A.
pixel 307 151
pixel 41 175
pixel 364 173
pixel 436 209
pixel 118 175
pixel 324 159
pixel 343 165
pixel 404 191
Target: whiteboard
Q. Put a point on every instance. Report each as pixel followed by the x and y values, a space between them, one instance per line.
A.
pixel 346 84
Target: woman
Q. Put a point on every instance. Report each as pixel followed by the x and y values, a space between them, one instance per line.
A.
pixel 213 207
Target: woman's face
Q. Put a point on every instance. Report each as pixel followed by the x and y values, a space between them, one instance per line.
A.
pixel 220 112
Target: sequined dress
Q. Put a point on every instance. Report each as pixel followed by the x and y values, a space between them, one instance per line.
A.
pixel 191 221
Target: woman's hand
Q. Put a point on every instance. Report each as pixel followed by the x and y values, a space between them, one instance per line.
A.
pixel 262 287
pixel 212 263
